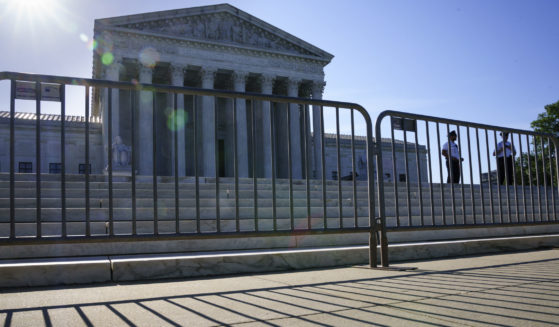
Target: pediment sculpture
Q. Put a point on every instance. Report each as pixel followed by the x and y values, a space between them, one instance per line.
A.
pixel 220 27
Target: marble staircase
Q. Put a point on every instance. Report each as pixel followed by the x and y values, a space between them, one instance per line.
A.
pixel 217 210
pixel 48 263
pixel 216 206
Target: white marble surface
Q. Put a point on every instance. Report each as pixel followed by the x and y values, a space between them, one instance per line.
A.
pixel 39 272
pixel 276 242
pixel 142 247
pixel 449 234
pixel 36 272
pixel 439 249
pixel 219 263
pixel 304 241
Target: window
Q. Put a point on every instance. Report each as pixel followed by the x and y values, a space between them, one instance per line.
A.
pixel 55 168
pixel 82 168
pixel 25 167
pixel 402 177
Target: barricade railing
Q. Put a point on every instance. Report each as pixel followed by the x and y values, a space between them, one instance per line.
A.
pixel 499 176
pixel 315 205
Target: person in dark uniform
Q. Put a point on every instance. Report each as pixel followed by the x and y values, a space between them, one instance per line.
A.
pixel 505 156
pixel 452 155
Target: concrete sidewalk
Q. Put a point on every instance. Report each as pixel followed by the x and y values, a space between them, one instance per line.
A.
pixel 513 289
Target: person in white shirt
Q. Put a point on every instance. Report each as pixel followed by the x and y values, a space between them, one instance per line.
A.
pixel 505 156
pixel 452 156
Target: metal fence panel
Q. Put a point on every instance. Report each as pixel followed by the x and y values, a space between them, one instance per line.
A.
pixel 475 198
pixel 155 206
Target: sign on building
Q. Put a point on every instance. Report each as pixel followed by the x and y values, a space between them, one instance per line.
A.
pixel 26 91
pixel 403 124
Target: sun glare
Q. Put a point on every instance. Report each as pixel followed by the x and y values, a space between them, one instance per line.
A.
pixel 31 15
pixel 28 9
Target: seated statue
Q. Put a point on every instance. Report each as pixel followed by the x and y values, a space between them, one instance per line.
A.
pixel 121 153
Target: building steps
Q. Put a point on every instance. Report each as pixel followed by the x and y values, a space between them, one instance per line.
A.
pixel 540 204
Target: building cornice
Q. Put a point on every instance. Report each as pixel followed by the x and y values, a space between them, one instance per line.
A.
pixel 208 44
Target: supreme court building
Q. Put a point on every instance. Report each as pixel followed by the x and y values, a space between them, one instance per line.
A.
pixel 211 47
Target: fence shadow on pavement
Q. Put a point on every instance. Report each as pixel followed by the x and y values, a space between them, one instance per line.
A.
pixel 525 293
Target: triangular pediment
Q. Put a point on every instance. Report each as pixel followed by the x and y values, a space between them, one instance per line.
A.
pixel 222 24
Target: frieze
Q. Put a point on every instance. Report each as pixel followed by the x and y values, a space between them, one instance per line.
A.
pixel 299 66
pixel 220 27
pixel 137 43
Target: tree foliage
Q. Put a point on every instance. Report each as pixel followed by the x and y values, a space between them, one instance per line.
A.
pixel 548 121
pixel 538 164
pixel 536 169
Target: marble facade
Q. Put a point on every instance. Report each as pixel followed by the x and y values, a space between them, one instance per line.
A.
pixel 211 47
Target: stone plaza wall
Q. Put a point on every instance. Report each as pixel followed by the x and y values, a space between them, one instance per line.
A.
pixel 25 140
pixel 346 164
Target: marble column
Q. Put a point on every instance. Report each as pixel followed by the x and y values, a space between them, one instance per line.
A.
pixel 208 123
pixel 267 88
pixel 145 125
pixel 177 79
pixel 112 73
pixel 317 89
pixel 239 79
pixel 295 129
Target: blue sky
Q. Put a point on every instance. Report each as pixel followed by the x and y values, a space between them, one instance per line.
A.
pixel 492 62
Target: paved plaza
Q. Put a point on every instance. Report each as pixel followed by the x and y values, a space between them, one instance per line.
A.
pixel 512 289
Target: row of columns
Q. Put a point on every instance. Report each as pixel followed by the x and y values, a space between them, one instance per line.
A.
pixel 146 116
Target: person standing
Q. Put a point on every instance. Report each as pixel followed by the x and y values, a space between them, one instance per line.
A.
pixel 452 155
pixel 505 158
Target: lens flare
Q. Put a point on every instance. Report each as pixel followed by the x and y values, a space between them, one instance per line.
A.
pixel 107 58
pixel 84 37
pixel 149 57
pixel 92 45
pixel 176 120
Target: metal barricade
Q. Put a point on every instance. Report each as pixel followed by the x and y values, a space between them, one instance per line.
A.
pixel 138 206
pixel 481 190
pixel 285 190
